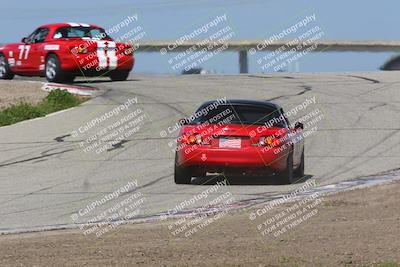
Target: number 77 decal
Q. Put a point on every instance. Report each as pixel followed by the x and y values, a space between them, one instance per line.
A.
pixel 23 48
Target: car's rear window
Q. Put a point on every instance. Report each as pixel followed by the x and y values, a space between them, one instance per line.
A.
pixel 240 114
pixel 80 32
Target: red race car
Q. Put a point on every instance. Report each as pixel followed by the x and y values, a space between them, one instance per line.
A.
pixel 62 51
pixel 239 137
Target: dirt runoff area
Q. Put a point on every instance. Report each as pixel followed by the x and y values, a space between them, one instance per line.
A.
pixel 14 92
pixel 354 228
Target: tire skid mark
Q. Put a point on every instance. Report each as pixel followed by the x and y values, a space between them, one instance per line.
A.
pixel 364 78
pixel 344 167
pixel 306 88
pixel 362 115
pixel 93 195
pixel 35 158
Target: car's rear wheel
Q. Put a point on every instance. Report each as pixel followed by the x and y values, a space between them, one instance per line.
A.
pixel 5 71
pixel 286 177
pixel 299 172
pixel 119 75
pixel 53 71
pixel 181 174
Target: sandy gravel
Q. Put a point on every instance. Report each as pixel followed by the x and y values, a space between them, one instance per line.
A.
pixel 355 228
pixel 13 92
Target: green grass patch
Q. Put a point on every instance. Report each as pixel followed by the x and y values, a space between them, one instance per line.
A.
pixel 56 100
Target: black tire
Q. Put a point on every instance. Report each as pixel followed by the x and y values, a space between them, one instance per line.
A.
pixel 119 75
pixel 5 71
pixel 53 71
pixel 181 174
pixel 286 177
pixel 299 172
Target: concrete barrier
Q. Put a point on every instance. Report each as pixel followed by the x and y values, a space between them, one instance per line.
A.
pixel 243 46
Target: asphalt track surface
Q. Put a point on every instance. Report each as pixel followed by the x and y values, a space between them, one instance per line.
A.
pixel 46 176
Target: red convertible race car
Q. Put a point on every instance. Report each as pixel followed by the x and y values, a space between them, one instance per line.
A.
pixel 239 137
pixel 62 51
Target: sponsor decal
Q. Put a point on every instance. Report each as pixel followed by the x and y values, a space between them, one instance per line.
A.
pixel 11 62
pixel 10 53
pixel 51 47
pixel 19 63
pixel 41 67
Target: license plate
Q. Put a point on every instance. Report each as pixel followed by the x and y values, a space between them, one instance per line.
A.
pixel 230 142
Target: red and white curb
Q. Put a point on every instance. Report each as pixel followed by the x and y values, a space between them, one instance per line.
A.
pixel 343 186
pixel 73 89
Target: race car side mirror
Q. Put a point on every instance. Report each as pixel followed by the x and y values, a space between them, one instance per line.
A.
pixel 298 125
pixel 23 40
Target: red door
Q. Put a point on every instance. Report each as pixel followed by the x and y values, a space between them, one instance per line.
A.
pixel 31 53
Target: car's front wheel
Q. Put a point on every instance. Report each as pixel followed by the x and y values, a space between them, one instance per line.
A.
pixel 5 71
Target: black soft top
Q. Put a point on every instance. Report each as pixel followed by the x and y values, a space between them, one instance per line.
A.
pixel 244 102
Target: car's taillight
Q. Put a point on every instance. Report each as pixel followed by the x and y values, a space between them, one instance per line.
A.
pixel 81 49
pixel 271 141
pixel 192 139
pixel 128 51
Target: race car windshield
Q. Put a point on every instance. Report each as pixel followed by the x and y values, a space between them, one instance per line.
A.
pixel 81 32
pixel 239 114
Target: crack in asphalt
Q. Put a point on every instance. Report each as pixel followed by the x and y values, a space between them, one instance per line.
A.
pixel 35 158
pixel 306 88
pixel 118 145
pixel 344 167
pixel 95 169
pixel 78 200
pixel 61 138
pixel 362 115
pixel 122 148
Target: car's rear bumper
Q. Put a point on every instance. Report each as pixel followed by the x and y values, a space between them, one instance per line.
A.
pixel 90 64
pixel 255 158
